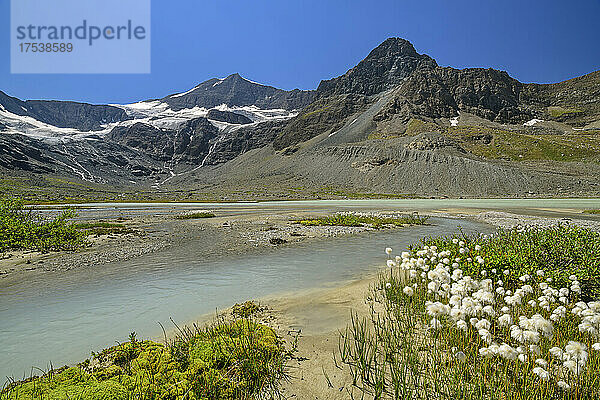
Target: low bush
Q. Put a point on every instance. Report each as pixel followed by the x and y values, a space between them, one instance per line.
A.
pixel 196 215
pixel 356 219
pixel 24 229
pixel 591 211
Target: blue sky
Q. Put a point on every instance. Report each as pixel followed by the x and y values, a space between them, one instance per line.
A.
pixel 294 44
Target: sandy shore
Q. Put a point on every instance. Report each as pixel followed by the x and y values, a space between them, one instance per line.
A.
pixel 220 236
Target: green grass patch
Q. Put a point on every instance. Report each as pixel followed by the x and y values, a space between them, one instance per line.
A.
pixel 417 126
pixel 557 111
pixel 591 211
pixel 196 215
pixel 227 360
pixel 24 229
pixel 494 143
pixel 349 219
pixel 103 228
pixel 311 113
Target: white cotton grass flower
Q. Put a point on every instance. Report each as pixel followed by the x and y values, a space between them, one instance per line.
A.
pixel 522 358
pixel 563 385
pixel 517 334
pixel 388 285
pixel 531 336
pixel 483 324
pixel 541 362
pixel 489 310
pixel 494 348
pixel 388 250
pixel 596 346
pixel 508 352
pixel 505 321
pixel 460 356
pixel 576 350
pixel 557 352
pixel 541 373
pixel 485 335
pixel 535 349
pixel 435 323
pixel 572 366
pixel 462 325
pixel 409 291
pixel 391 263
pixel 486 352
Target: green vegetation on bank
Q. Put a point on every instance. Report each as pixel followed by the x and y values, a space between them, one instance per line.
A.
pixel 228 360
pixel 375 221
pixel 23 229
pixel 509 316
pixel 102 228
pixel 196 215
pixel 591 211
pixel 560 251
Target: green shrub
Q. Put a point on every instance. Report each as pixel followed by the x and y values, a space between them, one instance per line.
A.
pixel 246 309
pixel 196 215
pixel 352 219
pixel 24 229
pixel 102 228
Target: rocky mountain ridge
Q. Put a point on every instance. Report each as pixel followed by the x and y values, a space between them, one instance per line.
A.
pixel 397 122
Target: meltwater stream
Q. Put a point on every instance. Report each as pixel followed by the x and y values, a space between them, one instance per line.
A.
pixel 62 317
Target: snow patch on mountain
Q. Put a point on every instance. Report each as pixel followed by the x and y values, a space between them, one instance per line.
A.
pixel 184 93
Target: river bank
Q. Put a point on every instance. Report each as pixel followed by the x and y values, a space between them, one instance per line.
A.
pixel 320 315
pixel 220 236
pixel 309 283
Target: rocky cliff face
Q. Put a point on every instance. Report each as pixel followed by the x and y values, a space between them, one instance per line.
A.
pixel 421 89
pixel 384 68
pixel 237 91
pixel 64 114
pixel 228 116
pixel 444 92
pixel 190 143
